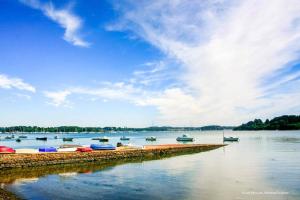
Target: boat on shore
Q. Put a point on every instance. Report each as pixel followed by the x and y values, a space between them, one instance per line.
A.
pixel 185 138
pixel 151 138
pixel 102 147
pixel 84 149
pixel 41 138
pixel 5 150
pixel 124 138
pixel 47 149
pixel 27 151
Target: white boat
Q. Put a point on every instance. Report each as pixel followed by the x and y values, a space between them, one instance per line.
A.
pixel 27 151
pixel 71 149
pixel 185 138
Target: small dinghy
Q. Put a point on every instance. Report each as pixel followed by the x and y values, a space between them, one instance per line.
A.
pixel 68 139
pixel 71 149
pixel 41 138
pixel 124 138
pixel 18 140
pixel 84 149
pixel 185 138
pixel 102 147
pixel 47 149
pixel 152 138
pixel 25 151
pixel 5 149
pixel 230 139
pixel 70 146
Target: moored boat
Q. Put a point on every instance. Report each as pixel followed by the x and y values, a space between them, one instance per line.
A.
pixel 124 138
pixel 22 136
pixel 67 139
pixel 151 138
pixel 41 138
pixel 8 138
pixel 18 140
pixel 5 149
pixel 230 139
pixel 102 147
pixel 185 138
pixel 47 149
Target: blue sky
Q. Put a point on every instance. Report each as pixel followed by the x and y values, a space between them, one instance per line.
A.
pixel 139 63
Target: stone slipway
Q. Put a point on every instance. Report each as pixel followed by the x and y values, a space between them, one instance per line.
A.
pixel 11 161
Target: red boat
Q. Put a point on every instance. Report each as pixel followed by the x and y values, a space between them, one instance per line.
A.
pixel 84 149
pixel 4 149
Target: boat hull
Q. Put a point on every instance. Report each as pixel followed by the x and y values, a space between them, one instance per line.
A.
pixel 230 139
pixel 102 147
pixel 185 139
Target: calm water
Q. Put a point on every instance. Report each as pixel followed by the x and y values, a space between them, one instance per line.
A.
pixel 263 165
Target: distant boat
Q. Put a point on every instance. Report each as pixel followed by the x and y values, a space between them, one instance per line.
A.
pixel 185 138
pixel 18 140
pixel 67 139
pixel 101 139
pixel 8 138
pixel 23 136
pixel 56 137
pixel 41 138
pixel 230 139
pixel 124 138
pixel 151 138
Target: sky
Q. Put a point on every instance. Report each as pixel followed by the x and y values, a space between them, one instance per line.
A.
pixel 148 63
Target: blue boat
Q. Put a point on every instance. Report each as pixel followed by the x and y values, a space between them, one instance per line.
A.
pixel 102 147
pixel 47 149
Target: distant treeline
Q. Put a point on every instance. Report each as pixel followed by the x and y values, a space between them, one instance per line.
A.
pixel 33 129
pixel 285 122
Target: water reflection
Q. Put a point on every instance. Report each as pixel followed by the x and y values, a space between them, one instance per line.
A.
pixel 263 165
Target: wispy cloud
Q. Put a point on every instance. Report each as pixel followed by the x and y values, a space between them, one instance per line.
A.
pixel 16 83
pixel 64 17
pixel 119 91
pixel 230 51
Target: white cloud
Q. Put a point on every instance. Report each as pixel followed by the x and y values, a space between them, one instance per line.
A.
pixel 17 83
pixel 230 50
pixel 58 98
pixel 64 17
